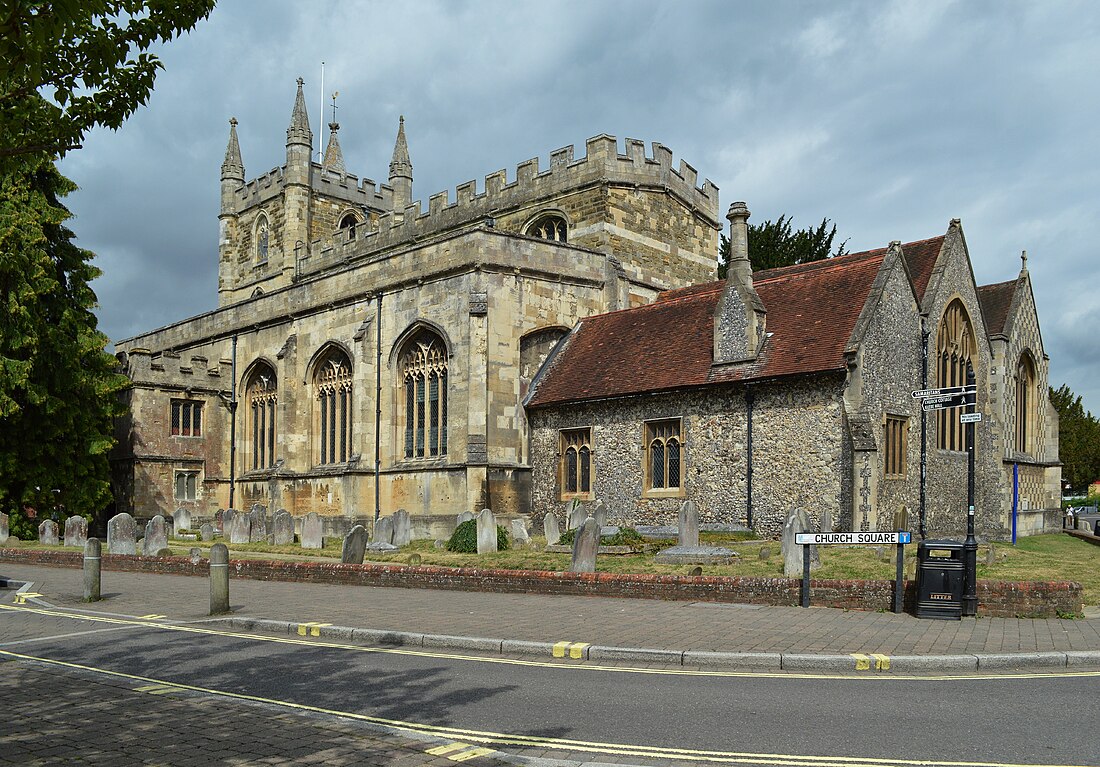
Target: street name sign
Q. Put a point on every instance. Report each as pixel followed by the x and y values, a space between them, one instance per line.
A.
pixel 923 393
pixel 970 417
pixel 853 539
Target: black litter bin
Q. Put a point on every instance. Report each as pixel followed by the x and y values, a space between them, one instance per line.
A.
pixel 940 580
pixel 1096 528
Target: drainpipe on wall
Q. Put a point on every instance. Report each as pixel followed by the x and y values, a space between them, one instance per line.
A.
pixel 923 427
pixel 378 409
pixel 749 398
pixel 233 424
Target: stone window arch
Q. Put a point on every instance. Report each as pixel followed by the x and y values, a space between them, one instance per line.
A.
pixel 1026 399
pixel 261 399
pixel 332 414
pixel 549 226
pixel 262 237
pixel 349 223
pixel 663 455
pixel 955 352
pixel 423 395
pixel 575 469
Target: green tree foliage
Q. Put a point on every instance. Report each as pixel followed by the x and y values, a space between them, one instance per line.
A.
pixel 69 65
pixel 1078 439
pixel 773 244
pixel 58 387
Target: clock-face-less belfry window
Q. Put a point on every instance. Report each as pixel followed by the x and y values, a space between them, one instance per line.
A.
pixel 549 227
pixel 262 397
pixel 424 385
pixel 262 238
pixel 955 351
pixel 332 422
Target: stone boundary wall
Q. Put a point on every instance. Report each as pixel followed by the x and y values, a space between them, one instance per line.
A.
pixel 1005 599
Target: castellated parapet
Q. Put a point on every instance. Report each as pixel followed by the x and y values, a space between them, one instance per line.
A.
pixel 344 186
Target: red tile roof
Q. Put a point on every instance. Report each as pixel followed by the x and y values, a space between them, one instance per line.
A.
pixel 921 257
pixel 811 311
pixel 996 300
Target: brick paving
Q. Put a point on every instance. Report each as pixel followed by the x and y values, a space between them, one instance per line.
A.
pixel 637 623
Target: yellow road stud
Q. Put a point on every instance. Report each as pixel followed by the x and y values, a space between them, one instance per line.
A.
pixel 22 597
pixel 863 663
pixel 575 649
pixel 882 662
pixel 312 628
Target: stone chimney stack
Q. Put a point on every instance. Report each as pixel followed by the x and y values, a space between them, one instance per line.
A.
pixel 739 319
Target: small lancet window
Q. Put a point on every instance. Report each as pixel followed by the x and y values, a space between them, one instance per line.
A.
pixel 549 227
pixel 347 225
pixel 262 237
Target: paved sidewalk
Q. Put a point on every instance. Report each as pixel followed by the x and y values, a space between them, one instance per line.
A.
pixel 600 622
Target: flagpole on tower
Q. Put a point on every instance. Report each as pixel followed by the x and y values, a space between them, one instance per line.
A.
pixel 321 113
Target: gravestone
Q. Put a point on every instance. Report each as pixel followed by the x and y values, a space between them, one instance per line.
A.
pixel 415 559
pixel 156 536
pixel 991 555
pixel 195 555
pixel 122 534
pixel 219 520
pixel 550 529
pixel 402 528
pixel 519 531
pixel 47 533
pixel 486 532
pixel 282 528
pixel 797 522
pixel 355 546
pixel 901 519
pixel 206 531
pixel 3 528
pixel 257 519
pixel 181 520
pixel 383 530
pixel 585 544
pixel 238 527
pixel 765 553
pixel 688 524
pixel 227 518
pixel 465 516
pixel 312 531
pixel 76 531
pixel 600 514
pixel 826 521
pixel 575 515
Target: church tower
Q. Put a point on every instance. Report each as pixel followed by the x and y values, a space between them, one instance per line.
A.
pixel 232 180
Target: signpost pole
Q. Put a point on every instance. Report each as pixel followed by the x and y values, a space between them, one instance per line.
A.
pixel 970 546
pixel 805 575
pixel 899 583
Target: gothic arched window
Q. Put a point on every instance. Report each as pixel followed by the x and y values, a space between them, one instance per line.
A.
pixel 262 237
pixel 347 226
pixel 1025 404
pixel 261 397
pixel 955 351
pixel 332 421
pixel 424 387
pixel 552 226
pixel 576 463
pixel 663 455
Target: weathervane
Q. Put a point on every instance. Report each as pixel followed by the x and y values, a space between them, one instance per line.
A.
pixel 334 95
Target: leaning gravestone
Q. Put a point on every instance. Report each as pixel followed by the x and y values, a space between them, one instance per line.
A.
pixel 257 518
pixel 486 532
pixel 600 514
pixel 76 531
pixel 465 516
pixel 282 528
pixel 402 528
pixel 826 520
pixel 585 544
pixel 219 520
pixel 688 524
pixel 238 527
pixel 797 522
pixel 181 520
pixel 3 528
pixel 550 529
pixel 47 533
pixel 575 515
pixel 122 534
pixel 206 531
pixel 156 536
pixel 312 531
pixel 901 519
pixel 355 544
pixel 226 520
pixel 519 531
pixel 383 530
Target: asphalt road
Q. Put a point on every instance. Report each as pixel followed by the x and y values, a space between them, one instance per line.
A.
pixel 567 710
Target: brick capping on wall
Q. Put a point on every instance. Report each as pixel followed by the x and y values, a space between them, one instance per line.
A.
pixel 1031 599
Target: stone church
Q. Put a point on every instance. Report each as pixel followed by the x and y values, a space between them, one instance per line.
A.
pixel 367 355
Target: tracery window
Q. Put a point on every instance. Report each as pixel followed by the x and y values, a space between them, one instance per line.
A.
pixel 333 387
pixel 549 227
pixel 955 351
pixel 664 455
pixel 1025 405
pixel 424 385
pixel 262 398
pixel 347 226
pixel 576 463
pixel 262 238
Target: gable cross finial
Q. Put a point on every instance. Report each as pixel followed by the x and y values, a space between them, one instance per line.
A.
pixel 1023 259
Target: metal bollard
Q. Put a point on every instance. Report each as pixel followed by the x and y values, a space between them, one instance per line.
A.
pixel 92 553
pixel 219 579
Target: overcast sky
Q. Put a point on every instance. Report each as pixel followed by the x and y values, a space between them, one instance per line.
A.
pixel 889 118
